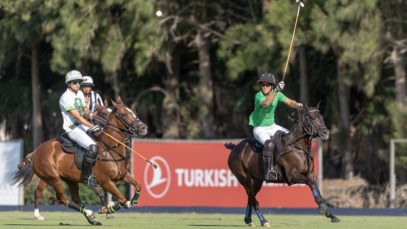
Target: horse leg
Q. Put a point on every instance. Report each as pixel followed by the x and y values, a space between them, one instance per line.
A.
pixel 130 180
pixel 323 206
pixel 245 181
pixel 37 196
pixel 74 190
pixel 256 188
pixel 56 183
pixel 99 190
pixel 111 187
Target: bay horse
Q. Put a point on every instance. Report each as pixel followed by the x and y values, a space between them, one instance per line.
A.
pixel 295 163
pixel 100 117
pixel 52 165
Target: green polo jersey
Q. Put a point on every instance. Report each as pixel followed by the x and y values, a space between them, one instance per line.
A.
pixel 264 116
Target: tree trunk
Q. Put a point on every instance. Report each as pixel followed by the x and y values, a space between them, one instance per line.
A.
pixel 171 110
pixel 36 98
pixel 398 62
pixel 205 91
pixel 303 75
pixel 345 138
pixel 115 81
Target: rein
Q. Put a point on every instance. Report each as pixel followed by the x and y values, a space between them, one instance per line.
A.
pixel 308 132
pixel 121 130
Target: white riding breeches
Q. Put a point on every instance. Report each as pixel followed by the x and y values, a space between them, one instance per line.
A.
pixel 263 133
pixel 79 135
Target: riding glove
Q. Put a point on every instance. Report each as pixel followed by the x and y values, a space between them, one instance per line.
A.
pixel 96 130
pixel 280 86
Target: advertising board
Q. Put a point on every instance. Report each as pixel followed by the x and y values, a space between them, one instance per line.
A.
pixel 196 173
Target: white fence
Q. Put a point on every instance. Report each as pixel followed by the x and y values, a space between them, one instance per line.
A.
pixel 10 155
pixel 392 170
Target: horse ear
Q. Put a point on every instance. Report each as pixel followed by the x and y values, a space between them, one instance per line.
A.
pixel 113 103
pixel 318 104
pixel 119 99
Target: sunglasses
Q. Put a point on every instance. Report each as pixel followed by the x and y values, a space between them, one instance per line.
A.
pixel 76 82
pixel 266 85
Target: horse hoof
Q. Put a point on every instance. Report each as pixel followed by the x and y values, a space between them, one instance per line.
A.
pixel 96 223
pixel 103 210
pixel 91 220
pixel 127 205
pixel 266 224
pixel 335 219
pixel 41 218
pixel 251 225
pixel 109 216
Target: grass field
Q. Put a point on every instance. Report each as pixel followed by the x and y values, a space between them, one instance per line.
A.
pixel 64 220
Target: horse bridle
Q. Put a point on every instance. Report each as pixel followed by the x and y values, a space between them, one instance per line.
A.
pixel 309 127
pixel 129 127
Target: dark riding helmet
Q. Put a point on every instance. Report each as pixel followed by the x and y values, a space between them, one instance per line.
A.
pixel 267 78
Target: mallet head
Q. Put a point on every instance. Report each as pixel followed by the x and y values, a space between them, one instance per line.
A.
pixel 300 3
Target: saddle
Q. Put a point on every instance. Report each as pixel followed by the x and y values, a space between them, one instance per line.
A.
pixel 255 145
pixel 71 147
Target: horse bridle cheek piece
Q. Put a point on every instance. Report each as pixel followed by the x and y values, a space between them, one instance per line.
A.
pixel 129 127
pixel 308 125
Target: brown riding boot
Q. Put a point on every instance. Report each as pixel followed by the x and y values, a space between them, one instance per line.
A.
pixel 270 174
pixel 88 162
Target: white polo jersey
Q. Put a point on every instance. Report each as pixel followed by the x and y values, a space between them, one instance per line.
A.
pixel 71 101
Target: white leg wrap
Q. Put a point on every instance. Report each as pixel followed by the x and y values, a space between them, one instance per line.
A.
pixel 127 204
pixel 37 214
pixel 88 212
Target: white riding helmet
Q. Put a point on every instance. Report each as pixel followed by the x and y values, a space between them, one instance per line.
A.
pixel 73 75
pixel 87 81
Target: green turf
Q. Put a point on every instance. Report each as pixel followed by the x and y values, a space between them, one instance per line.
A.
pixel 64 220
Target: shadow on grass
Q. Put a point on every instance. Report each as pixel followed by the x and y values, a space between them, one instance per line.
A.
pixel 42 225
pixel 215 225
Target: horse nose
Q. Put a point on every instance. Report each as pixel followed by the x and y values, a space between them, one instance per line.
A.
pixel 325 134
pixel 144 130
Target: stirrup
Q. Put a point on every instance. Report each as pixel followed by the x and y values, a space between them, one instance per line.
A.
pixel 91 181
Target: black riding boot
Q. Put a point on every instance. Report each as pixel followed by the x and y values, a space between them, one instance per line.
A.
pixel 270 174
pixel 88 162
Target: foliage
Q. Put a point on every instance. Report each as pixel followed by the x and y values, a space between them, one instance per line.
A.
pixel 130 52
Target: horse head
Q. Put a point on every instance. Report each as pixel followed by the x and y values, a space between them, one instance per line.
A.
pixel 128 120
pixel 312 122
pixel 101 114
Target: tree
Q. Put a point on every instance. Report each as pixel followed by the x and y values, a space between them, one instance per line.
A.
pixel 27 29
pixel 351 29
pixel 395 36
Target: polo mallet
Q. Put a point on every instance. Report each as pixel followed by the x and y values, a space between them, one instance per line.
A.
pixel 300 4
pixel 155 166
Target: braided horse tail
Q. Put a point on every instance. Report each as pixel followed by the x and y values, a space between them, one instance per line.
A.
pixel 230 145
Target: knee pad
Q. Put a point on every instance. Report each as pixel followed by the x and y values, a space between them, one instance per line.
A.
pixel 92 153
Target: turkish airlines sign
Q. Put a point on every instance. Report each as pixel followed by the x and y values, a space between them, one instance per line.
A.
pixel 196 173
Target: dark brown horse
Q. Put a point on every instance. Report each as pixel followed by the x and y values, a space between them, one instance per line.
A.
pixel 101 115
pixel 52 165
pixel 295 163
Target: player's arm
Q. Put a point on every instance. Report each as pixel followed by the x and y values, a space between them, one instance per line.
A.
pixel 269 99
pixel 80 119
pixel 293 103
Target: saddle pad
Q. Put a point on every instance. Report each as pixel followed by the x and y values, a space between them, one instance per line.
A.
pixel 255 145
pixel 72 147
